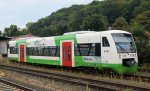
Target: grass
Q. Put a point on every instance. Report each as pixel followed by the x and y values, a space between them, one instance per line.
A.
pixel 87 87
pixel 145 66
pixel 128 89
pixel 2 73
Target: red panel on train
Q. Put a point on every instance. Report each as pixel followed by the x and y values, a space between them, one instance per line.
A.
pixel 67 54
pixel 22 55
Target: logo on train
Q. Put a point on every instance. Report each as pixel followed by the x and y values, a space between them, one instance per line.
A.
pixel 39 42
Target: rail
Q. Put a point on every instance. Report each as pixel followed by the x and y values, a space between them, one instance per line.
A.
pixel 5 84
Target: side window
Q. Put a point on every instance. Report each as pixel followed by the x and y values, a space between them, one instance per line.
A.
pixel 98 49
pixel 40 51
pixel 29 51
pixel 105 42
pixel 89 49
pixel 57 54
pixel 13 50
pixel 76 50
pixel 44 51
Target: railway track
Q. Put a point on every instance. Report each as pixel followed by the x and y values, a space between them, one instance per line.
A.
pixel 140 76
pixel 6 85
pixel 144 70
pixel 90 82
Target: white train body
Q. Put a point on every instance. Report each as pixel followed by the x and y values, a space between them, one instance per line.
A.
pixel 113 49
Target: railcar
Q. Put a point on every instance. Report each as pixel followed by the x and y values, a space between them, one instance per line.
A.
pixel 112 49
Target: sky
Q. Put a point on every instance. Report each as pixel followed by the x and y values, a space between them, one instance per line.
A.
pixel 20 12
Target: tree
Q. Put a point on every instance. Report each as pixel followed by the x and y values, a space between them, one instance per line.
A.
pixel 144 20
pixel 113 9
pixel 131 4
pixel 94 22
pixel 75 21
pixel 13 30
pixel 120 24
pixel 28 25
pixel 142 44
pixel 144 6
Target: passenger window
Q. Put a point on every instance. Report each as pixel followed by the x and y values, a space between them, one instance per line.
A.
pixel 89 49
pixel 69 53
pixel 105 42
pixel 64 53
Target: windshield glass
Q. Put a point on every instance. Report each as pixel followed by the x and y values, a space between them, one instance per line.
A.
pixel 124 43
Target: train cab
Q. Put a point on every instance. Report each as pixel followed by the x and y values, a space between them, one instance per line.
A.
pixel 119 51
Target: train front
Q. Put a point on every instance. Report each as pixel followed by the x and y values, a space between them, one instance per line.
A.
pixel 126 52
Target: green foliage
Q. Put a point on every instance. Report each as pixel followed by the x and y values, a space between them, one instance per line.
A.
pixel 13 30
pixel 144 20
pixel 139 27
pixel 83 17
pixel 142 43
pixel 120 24
pixel 75 20
pixel 113 9
pixel 94 22
pixel 144 5
pixel 143 48
pixel 129 8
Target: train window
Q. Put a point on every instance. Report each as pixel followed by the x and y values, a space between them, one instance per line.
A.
pixel 29 51
pixel 84 49
pixel 53 50
pixel 64 53
pixel 35 51
pixel 40 50
pixel 69 53
pixel 98 49
pixel 105 42
pixel 90 49
pixel 44 51
pixel 13 50
pixel 76 50
pixel 57 53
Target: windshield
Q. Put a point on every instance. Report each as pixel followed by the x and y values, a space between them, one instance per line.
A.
pixel 124 43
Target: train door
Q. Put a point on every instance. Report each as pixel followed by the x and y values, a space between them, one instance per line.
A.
pixel 105 45
pixel 67 53
pixel 22 53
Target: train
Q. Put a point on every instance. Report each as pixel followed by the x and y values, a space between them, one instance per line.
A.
pixel 111 49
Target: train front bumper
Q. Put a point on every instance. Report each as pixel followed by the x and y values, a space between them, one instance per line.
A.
pixel 126 69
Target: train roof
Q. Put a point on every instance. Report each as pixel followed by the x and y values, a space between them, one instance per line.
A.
pixel 87 32
pixel 116 31
pixel 77 33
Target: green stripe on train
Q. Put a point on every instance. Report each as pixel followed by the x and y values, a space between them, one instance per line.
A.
pixel 119 68
pixel 13 58
pixel 65 37
pixel 20 41
pixel 43 61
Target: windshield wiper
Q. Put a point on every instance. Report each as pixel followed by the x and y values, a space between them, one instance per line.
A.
pixel 122 48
